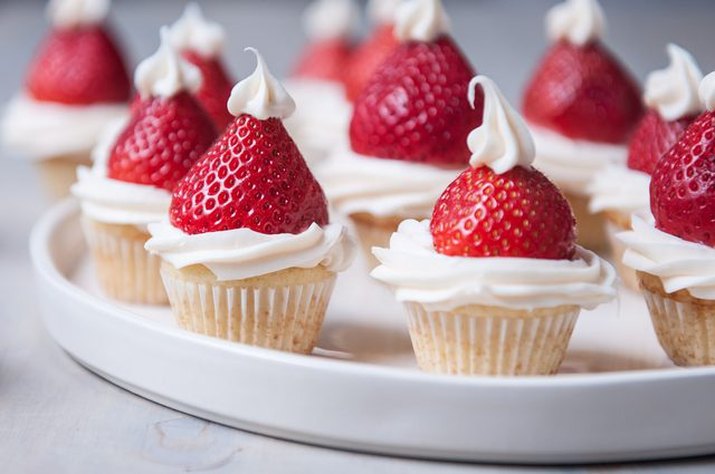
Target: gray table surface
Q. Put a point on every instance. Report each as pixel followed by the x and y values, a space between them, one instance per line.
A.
pixel 57 417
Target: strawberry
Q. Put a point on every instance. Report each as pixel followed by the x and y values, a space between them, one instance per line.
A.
pixel 367 57
pixel 325 60
pixel 253 177
pixel 164 138
pixel 519 213
pixel 682 190
pixel 652 138
pixel 215 87
pixel 79 66
pixel 415 106
pixel 582 92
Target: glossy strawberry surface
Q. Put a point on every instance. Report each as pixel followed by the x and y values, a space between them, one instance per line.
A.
pixel 366 59
pixel 215 88
pixel 324 60
pixel 652 138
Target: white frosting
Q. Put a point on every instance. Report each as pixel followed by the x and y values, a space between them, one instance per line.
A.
pixel 192 32
pixel 681 265
pixel 707 91
pixel 330 19
pixel 244 253
pixel 421 20
pixel 260 94
pixel 356 183
pixel 42 130
pixel 442 283
pixel 67 14
pixel 673 91
pixel 572 164
pixel 619 188
pixel 502 141
pixel 382 11
pixel 166 73
pixel 577 21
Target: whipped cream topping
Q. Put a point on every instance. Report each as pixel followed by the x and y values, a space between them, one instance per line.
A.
pixel 192 32
pixel 244 253
pixel 166 73
pixel 576 21
pixel 673 91
pixel 43 130
pixel 67 14
pixel 572 164
pixel 356 183
pixel 681 265
pixel 707 91
pixel 621 189
pixel 260 94
pixel 442 283
pixel 421 20
pixel 502 141
pixel 330 19
pixel 382 11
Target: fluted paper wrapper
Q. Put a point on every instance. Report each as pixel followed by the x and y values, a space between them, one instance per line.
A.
pixel 372 232
pixel 485 340
pixel 125 270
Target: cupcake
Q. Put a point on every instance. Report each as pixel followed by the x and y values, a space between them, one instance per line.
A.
pixel 671 98
pixel 320 122
pixel 493 284
pixel 581 106
pixel 408 131
pixel 672 248
pixel 135 171
pixel 248 252
pixel 76 85
pixel 201 42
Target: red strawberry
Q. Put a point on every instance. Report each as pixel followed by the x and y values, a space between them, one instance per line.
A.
pixel 415 106
pixel 325 60
pixel 215 87
pixel 652 138
pixel 366 59
pixel 682 190
pixel 79 66
pixel 583 92
pixel 519 213
pixel 252 177
pixel 164 138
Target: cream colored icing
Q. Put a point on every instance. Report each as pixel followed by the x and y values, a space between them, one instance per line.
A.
pixel 421 20
pixel 382 11
pixel 576 21
pixel 673 91
pixel 621 189
pixel 330 19
pixel 68 14
pixel 707 91
pixel 193 32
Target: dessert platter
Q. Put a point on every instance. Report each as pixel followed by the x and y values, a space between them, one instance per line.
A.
pixel 396 260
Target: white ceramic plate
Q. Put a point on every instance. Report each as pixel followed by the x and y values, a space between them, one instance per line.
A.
pixel 617 397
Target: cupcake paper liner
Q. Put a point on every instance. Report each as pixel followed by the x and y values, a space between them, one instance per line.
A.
pixel 590 227
pixel 372 232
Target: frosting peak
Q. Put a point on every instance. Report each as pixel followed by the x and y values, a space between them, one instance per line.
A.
pixel 578 21
pixel 260 94
pixel 707 91
pixel 382 11
pixel 421 20
pixel 74 13
pixel 673 91
pixel 502 141
pixel 330 19
pixel 165 73
pixel 194 33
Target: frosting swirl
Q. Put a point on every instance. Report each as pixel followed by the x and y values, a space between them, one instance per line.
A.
pixel 577 21
pixel 673 91
pixel 382 12
pixel 707 91
pixel 192 32
pixel 621 189
pixel 330 19
pixel 421 20
pixel 442 283
pixel 67 14
pixel 681 265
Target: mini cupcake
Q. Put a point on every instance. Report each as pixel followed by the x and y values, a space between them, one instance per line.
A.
pixel 248 253
pixel 408 131
pixel 672 249
pixel 135 171
pixel 76 85
pixel 494 283
pixel 671 96
pixel 201 42
pixel 581 106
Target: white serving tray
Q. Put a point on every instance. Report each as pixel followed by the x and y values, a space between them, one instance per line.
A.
pixel 617 397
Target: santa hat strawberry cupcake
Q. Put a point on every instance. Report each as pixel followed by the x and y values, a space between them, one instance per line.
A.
pixel 494 283
pixel 76 85
pixel 581 105
pixel 248 252
pixel 617 191
pixel 201 42
pixel 136 169
pixel 408 131
pixel 673 249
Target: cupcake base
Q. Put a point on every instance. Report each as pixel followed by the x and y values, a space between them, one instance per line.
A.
pixel 618 222
pixel 125 270
pixel 591 227
pixel 685 325
pixel 488 340
pixel 282 310
pixel 373 231
pixel 58 174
